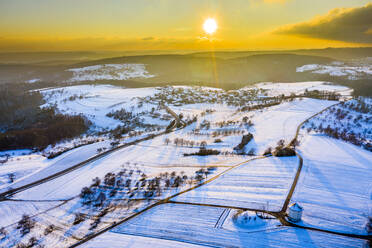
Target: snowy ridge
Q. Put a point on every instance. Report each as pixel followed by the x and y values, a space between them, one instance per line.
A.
pixel 338 69
pixel 277 89
pixel 109 72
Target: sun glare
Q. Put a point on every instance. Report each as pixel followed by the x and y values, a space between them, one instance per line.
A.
pixel 210 26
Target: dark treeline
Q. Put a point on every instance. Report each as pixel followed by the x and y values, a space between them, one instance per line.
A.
pixel 47 128
pixel 24 124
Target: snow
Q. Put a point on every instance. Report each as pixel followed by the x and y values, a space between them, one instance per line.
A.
pixel 116 240
pixel 57 164
pixel 277 89
pixel 258 184
pixel 309 67
pixel 19 152
pixel 197 225
pixel 338 69
pixel 62 217
pixel 11 211
pixel 351 120
pixel 334 187
pixel 21 166
pixel 155 155
pixel 109 72
pixel 35 80
pixel 270 125
pixel 281 121
pixel 149 156
pixel 96 101
pixel 249 220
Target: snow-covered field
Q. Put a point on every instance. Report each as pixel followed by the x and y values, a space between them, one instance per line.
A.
pixel 338 69
pixel 118 240
pixel 335 186
pixel 109 72
pixel 349 121
pixel 46 167
pixel 151 156
pixel 281 122
pixel 155 154
pixel 12 211
pixel 20 166
pixel 258 184
pixel 269 125
pixel 277 89
pixel 197 225
pixel 96 101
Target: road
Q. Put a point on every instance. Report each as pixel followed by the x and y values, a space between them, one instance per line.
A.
pixel 281 215
pixel 10 192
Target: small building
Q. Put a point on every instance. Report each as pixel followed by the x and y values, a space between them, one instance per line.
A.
pixel 295 212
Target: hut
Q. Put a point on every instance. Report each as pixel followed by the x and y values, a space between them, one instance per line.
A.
pixel 295 212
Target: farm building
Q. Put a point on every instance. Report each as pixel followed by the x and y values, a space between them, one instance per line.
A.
pixel 295 212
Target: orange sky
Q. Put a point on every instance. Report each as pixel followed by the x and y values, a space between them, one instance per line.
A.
pixel 52 25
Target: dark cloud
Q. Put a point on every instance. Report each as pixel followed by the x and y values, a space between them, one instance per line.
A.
pixel 350 25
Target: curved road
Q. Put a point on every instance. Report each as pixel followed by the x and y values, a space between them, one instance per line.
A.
pixel 281 215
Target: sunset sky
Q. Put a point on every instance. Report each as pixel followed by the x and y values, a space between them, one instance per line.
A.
pixel 123 25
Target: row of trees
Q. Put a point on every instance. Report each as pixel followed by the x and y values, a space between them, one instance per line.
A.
pixel 261 104
pixel 203 152
pixel 132 184
pixel 360 104
pixel 347 135
pixel 25 225
pixel 245 121
pixel 349 121
pixel 222 132
pixel 184 142
pixel 129 186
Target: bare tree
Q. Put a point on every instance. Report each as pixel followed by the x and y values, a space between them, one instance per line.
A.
pixel 25 224
pixel 166 141
pixel 3 233
pixel 96 182
pixel 11 177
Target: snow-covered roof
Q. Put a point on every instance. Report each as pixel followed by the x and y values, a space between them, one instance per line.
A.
pixel 296 207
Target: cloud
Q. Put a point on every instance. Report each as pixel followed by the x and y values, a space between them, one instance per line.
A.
pixel 101 43
pixel 259 2
pixel 148 38
pixel 275 1
pixel 350 25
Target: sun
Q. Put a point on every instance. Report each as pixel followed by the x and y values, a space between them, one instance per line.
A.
pixel 210 26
